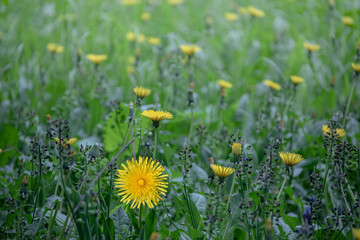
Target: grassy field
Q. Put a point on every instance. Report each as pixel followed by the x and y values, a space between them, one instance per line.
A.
pixel 271 151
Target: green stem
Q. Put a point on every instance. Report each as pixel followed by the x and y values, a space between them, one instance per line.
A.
pixel 281 189
pixel 348 103
pixel 53 216
pixel 18 232
pixel 139 220
pixel 155 143
pixel 191 125
pixel 231 190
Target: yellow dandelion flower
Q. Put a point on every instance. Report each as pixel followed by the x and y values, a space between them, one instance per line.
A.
pixel 66 142
pixel 155 236
pixel 141 182
pixel 141 38
pixel 356 67
pixel 356 232
pixel 296 79
pixel 131 36
pixel 96 58
pixel 128 2
pixel 221 171
pixel 209 20
pixel 154 41
pixel 331 3
pixel 145 16
pixel 1 150
pixel 132 59
pixel 156 116
pixel 256 12
pixel 339 131
pixel 54 48
pixel 272 85
pixel 141 92
pixel 236 148
pixel 224 84
pixel 243 10
pixel 231 17
pixel 175 2
pixel 311 47
pixel 290 159
pixel 190 50
pixel 348 21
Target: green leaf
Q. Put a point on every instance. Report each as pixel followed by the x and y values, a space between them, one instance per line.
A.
pixel 150 224
pixel 121 221
pixel 50 201
pixel 199 201
pixel 9 140
pixel 255 196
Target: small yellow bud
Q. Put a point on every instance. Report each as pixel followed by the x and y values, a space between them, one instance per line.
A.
pixel 236 148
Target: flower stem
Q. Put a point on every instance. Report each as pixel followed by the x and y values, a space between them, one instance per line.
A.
pixel 139 220
pixel 348 102
pixel 155 143
pixel 191 125
pixel 231 190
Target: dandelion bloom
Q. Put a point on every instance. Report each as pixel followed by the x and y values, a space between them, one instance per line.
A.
pixel 224 84
pixel 156 116
pixel 236 148
pixel 256 12
pixel 311 47
pixel 131 36
pixel 356 232
pixel 272 85
pixel 1 150
pixel 66 142
pixel 190 50
pixel 142 92
pixel 97 58
pixel 145 16
pixel 141 182
pixel 54 48
pixel 290 159
pixel 154 41
pixel 339 131
pixel 128 2
pixel 175 2
pixel 296 79
pixel 348 21
pixel 231 17
pixel 356 67
pixel 209 20
pixel 221 171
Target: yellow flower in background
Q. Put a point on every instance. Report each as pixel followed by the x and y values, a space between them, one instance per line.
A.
pixel 348 21
pixel 54 48
pixel 243 10
pixel 339 131
pixel 356 232
pixel 175 2
pixel 142 92
pixel 131 36
pixel 141 182
pixel 231 17
pixel 221 171
pixel 96 58
pixel 236 148
pixel 356 67
pixel 67 17
pixel 145 16
pixel 290 159
pixel 1 150
pixel 128 2
pixel 256 12
pixel 190 50
pixel 224 84
pixel 141 38
pixel 311 47
pixel 331 3
pixel 66 142
pixel 130 70
pixel 154 41
pixel 296 79
pixel 272 85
